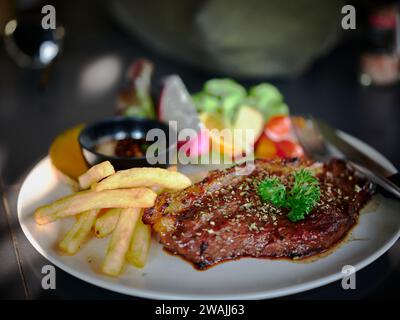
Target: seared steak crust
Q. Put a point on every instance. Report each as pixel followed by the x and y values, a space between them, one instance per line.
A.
pixel 223 218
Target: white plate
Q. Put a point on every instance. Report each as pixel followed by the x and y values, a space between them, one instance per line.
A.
pixel 169 277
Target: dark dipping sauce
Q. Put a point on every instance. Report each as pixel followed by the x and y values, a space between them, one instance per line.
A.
pixel 124 148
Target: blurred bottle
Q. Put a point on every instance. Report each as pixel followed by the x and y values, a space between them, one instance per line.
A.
pixel 380 61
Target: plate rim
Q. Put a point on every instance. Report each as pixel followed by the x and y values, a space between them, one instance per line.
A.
pixel 154 294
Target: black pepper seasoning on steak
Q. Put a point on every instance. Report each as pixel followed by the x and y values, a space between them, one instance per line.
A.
pixel 223 218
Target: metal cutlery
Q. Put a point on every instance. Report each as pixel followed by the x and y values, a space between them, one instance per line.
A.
pixel 317 139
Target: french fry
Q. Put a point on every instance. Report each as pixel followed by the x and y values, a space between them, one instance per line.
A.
pixel 140 245
pixel 105 224
pixel 172 168
pixel 79 232
pixel 160 189
pixel 144 177
pixel 89 200
pixel 95 174
pixel 119 242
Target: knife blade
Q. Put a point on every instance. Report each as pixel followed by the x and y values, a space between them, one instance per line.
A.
pixel 349 151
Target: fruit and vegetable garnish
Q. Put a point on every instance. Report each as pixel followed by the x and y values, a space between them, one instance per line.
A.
pixel 223 103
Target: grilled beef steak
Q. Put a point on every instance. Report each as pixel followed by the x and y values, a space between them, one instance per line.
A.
pixel 223 218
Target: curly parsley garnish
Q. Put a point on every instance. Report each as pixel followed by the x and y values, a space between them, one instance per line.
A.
pixel 300 199
pixel 303 196
pixel 272 190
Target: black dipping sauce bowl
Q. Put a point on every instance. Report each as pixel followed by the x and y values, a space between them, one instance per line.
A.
pixel 118 128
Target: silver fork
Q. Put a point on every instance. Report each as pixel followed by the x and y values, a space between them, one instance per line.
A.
pixel 315 146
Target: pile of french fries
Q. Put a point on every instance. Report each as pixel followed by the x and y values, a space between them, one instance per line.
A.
pixel 112 203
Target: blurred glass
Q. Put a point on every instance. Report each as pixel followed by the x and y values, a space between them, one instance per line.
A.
pixel 6 13
pixel 28 44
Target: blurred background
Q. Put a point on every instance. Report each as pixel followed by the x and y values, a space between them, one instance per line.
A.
pixel 53 79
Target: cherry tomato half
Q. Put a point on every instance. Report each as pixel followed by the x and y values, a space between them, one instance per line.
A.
pixel 278 128
pixel 289 149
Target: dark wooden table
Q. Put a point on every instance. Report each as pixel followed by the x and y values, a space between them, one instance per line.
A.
pixel 30 118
